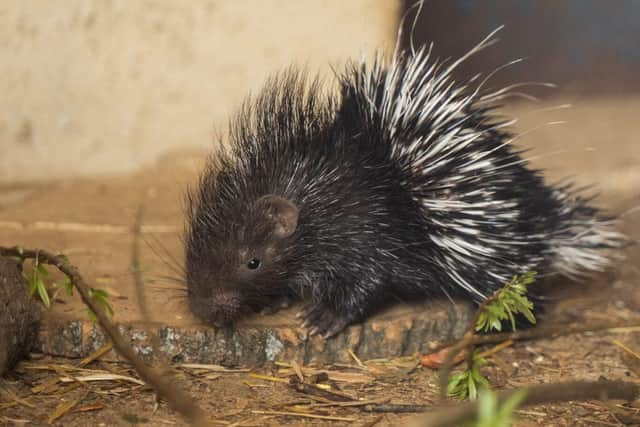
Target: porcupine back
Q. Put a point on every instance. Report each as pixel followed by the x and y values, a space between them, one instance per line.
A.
pixel 487 213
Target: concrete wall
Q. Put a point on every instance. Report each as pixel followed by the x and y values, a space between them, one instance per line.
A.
pixel 96 86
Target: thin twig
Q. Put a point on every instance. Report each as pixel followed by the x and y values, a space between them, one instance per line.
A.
pixel 545 332
pixel 472 340
pixel 355 404
pixel 314 390
pixel 164 386
pixel 395 408
pixel 301 414
pixel 626 348
pixel 141 297
pixel 465 343
pixel 373 422
pixel 356 358
pixel 535 395
pixel 497 348
pixel 448 362
pixel 96 354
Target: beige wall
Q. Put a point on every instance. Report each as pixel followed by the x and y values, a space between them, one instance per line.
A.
pixel 93 87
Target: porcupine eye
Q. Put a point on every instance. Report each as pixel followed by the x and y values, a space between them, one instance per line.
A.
pixel 253 263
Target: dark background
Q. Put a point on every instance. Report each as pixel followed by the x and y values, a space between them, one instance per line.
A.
pixel 586 47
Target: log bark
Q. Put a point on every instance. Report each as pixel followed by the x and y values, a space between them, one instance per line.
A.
pixel 402 330
pixel 19 316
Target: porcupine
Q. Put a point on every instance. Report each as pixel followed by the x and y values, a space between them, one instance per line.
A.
pixel 403 184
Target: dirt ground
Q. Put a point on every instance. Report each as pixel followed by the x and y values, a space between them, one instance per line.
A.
pixel 597 145
pixel 237 398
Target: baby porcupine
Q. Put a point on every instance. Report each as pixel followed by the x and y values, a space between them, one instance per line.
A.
pixel 404 184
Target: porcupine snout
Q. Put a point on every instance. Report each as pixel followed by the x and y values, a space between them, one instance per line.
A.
pixel 220 308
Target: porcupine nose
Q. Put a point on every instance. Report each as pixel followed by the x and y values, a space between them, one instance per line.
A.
pixel 225 298
pixel 225 305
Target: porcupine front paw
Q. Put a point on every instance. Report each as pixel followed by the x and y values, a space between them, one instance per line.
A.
pixel 321 320
pixel 277 304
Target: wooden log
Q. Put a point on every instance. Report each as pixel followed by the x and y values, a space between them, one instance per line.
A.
pixel 401 330
pixel 19 316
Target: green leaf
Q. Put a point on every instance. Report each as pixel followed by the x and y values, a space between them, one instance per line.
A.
pixel 92 315
pixel 466 384
pixel 471 385
pixel 101 296
pixel 108 308
pixel 33 287
pixel 492 414
pixel 457 386
pixel 487 404
pixel 528 314
pixel 30 285
pixel 42 270
pixel 509 301
pixel 68 285
pixel 455 380
pixel 42 292
pixel 505 412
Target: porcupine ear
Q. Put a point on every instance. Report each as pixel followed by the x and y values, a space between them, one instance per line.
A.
pixel 282 212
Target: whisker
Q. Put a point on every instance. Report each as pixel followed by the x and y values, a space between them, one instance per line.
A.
pixel 166 258
pixel 181 291
pixel 168 254
pixel 170 279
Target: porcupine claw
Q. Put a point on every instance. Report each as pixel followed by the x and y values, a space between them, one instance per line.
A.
pixel 320 320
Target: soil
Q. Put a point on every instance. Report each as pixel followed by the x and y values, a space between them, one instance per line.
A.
pixel 597 145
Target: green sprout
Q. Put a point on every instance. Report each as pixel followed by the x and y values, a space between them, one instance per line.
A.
pixel 493 414
pixel 68 285
pixel 504 305
pixel 101 297
pixel 36 284
pixel 467 383
pixel 509 301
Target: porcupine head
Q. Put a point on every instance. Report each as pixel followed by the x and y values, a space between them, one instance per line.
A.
pixel 246 271
pixel 242 219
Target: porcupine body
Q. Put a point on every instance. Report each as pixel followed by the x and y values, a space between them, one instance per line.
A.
pixel 404 184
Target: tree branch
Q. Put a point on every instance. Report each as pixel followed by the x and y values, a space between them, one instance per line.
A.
pixel 543 332
pixel 163 385
pixel 535 395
